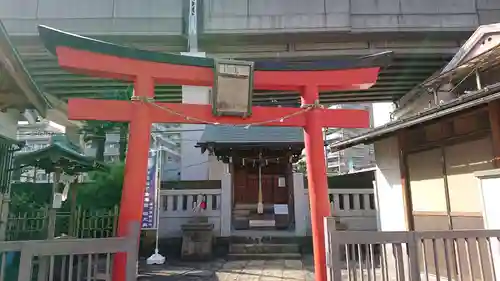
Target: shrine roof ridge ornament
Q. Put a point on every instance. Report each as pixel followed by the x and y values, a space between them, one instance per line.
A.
pixel 53 38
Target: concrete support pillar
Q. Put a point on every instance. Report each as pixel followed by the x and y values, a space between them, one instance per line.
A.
pixel 8 123
pixel 300 205
pixel 194 164
pixel 4 214
pixel 388 185
pixel 226 205
pixel 8 128
pixel 73 134
pixel 389 189
pixel 389 195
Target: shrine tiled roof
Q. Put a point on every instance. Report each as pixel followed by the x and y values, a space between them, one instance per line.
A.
pixel 224 134
pixel 61 153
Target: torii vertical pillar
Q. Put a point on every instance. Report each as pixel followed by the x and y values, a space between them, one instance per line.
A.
pixel 316 178
pixel 135 175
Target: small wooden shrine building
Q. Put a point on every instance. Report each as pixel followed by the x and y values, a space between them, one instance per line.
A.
pixel 260 163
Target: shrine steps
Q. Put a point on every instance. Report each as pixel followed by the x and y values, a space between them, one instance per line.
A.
pixel 262 236
pixel 274 256
pixel 245 217
pixel 264 247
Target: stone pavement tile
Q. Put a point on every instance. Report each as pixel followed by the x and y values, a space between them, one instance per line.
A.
pixel 309 276
pixel 231 271
pixel 234 264
pixel 294 264
pixel 255 264
pixel 221 270
pixel 294 274
pixel 215 265
pixel 231 275
pixel 224 276
pixel 272 272
pixel 267 278
pixel 275 263
pixel 273 268
pixel 252 272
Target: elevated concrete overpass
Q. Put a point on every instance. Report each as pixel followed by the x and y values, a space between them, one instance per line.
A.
pixel 424 34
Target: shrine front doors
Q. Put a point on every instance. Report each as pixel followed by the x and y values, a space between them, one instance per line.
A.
pixel 246 189
pixel 276 187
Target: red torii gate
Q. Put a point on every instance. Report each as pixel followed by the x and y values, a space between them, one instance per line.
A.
pixel 100 59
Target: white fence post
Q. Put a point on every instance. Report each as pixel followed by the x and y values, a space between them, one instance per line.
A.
pixel 226 205
pixel 300 203
pixel 333 264
pixel 412 250
pixel 488 187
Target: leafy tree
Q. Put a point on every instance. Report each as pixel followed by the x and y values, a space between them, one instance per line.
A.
pixel 29 197
pixel 105 190
pixel 301 167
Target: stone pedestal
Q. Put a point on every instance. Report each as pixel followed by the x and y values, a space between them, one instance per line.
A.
pixel 197 238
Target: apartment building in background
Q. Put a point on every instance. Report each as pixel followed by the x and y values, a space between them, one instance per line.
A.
pixel 35 136
pixel 350 160
pixel 353 159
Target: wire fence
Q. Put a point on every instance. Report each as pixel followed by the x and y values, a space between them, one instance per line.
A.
pixel 77 224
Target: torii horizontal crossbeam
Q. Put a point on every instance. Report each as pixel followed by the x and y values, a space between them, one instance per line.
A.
pixel 126 69
pixel 121 111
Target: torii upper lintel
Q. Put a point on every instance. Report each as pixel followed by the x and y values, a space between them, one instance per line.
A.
pixel 145 69
pixel 108 60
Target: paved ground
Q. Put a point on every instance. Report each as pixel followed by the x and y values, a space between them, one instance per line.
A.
pixel 221 270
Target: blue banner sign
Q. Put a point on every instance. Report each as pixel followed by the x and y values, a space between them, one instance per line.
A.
pixel 150 196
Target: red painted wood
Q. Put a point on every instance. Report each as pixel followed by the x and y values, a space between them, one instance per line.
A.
pixel 325 79
pixel 134 183
pixel 141 117
pixel 317 182
pixel 107 66
pixel 121 111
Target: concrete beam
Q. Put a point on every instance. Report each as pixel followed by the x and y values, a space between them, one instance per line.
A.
pixel 31 116
pixel 59 113
pixel 333 53
pixel 94 17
